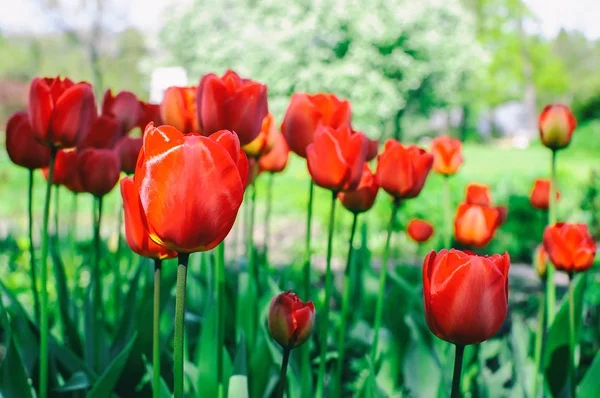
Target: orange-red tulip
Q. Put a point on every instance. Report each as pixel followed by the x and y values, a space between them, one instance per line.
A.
pixel 401 171
pixel 540 260
pixel 419 230
pixel 478 194
pixel 124 107
pixel 540 194
pixel 103 133
pixel 265 140
pixel 22 147
pixel 290 320
pixel 465 296
pixel 362 198
pixel 190 186
pixel 556 124
pixel 149 113
pixel 178 109
pixel 306 112
pixel 128 149
pixel 276 159
pixel 60 111
pixel 476 224
pixel 373 150
pixel 136 227
pixel 231 103
pixel 336 158
pixel 570 246
pixel 447 155
pixel 99 170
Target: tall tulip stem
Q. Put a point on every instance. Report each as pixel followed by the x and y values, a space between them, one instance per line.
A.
pixel 43 393
pixel 283 372
pixel 268 214
pixel 447 213
pixel 179 324
pixel 32 269
pixel 97 280
pixel 220 277
pixel 382 276
pixel 458 360
pixel 345 304
pixel 328 291
pixel 539 340
pixel 117 270
pixel 572 367
pixel 305 348
pixel 550 288
pixel 156 331
pixel 252 268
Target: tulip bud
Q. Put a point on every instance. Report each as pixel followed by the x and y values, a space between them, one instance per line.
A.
pixel 22 147
pixel 540 260
pixel 99 170
pixel 540 194
pixel 556 124
pixel 447 156
pixel 363 197
pixel 570 246
pixel 419 230
pixel 290 320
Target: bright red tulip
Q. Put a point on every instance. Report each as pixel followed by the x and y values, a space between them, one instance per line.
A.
pixel 556 124
pixel 149 113
pixel 128 149
pixel 22 147
pixel 447 155
pixel 231 103
pixel 290 320
pixel 178 109
pixel 99 170
pixel 265 140
pixel 103 133
pixel 363 197
pixel 136 227
pixel 419 230
pixel 336 158
pixel 60 111
pixel 306 112
pixel 373 150
pixel 476 224
pixel 570 246
pixel 465 296
pixel 478 194
pixel 124 108
pixel 401 171
pixel 190 186
pixel 276 159
pixel 540 194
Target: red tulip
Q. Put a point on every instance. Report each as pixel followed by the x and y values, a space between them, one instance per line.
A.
pixel 419 230
pixel 570 246
pixel 136 227
pixel 290 320
pixel 22 147
pixel 336 158
pixel 190 186
pixel 475 224
pixel 178 109
pixel 363 197
pixel 265 140
pixel 231 103
pixel 276 159
pixel 373 150
pixel 99 170
pixel 124 108
pixel 401 171
pixel 128 149
pixel 103 133
pixel 307 112
pixel 540 259
pixel 556 124
pixel 478 194
pixel 149 113
pixel 60 112
pixel 465 296
pixel 540 194
pixel 447 155
pixel 66 170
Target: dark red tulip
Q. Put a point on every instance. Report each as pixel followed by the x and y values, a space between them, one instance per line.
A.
pixel 66 170
pixel 373 150
pixel 556 124
pixel 336 158
pixel 401 171
pixel 103 133
pixel 124 108
pixel 149 113
pixel 128 149
pixel 540 194
pixel 570 246
pixel 419 230
pixel 465 296
pixel 136 227
pixel 99 170
pixel 190 186
pixel 231 103
pixel 276 159
pixel 60 111
pixel 447 155
pixel 178 109
pixel 22 147
pixel 478 194
pixel 363 197
pixel 476 224
pixel 290 320
pixel 265 140
pixel 306 112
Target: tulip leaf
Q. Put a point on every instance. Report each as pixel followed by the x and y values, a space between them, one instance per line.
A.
pixel 590 384
pixel 238 386
pixel 164 391
pixel 207 358
pixel 78 381
pixel 127 322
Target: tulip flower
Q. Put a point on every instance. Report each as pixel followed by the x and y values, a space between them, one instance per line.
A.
pixel 178 109
pixel 99 170
pixel 22 147
pixel 540 194
pixel 447 155
pixel 124 108
pixel 265 140
pixel 419 230
pixel 66 170
pixel 276 159
pixel 363 197
pixel 306 112
pixel 373 150
pixel 128 149
pixel 570 246
pixel 478 194
pixel 60 111
pixel 540 260
pixel 149 113
pixel 104 132
pixel 231 103
pixel 290 320
pixel 476 224
pixel 556 125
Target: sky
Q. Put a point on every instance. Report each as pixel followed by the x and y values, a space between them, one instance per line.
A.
pixel 31 16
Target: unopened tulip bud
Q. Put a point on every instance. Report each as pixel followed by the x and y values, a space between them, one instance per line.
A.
pixel 290 320
pixel 540 260
pixel 556 124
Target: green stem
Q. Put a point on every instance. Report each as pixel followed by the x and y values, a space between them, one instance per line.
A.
pixel 32 270
pixel 179 324
pixel 572 344
pixel 447 213
pixel 550 288
pixel 283 372
pixel 56 210
pixel 252 268
pixel 458 360
pixel 382 276
pixel 117 270
pixel 345 305
pixel 43 393
pixel 268 214
pixel 97 278
pixel 156 331
pixel 306 372
pixel 220 277
pixel 328 292
pixel 539 340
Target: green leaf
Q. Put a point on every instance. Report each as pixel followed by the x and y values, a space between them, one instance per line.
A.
pixel 590 384
pixel 206 358
pixel 105 385
pixel 238 386
pixel 164 391
pixel 78 381
pixel 127 322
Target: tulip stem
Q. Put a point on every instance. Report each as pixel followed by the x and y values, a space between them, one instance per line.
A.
pixel 550 288
pixel 220 277
pixel 382 276
pixel 447 213
pixel 156 331
pixel 252 268
pixel 572 367
pixel 32 270
pixel 283 372
pixel 305 348
pixel 43 393
pixel 179 324
pixel 539 340
pixel 458 360
pixel 97 281
pixel 345 304
pixel 268 214
pixel 56 210
pixel 328 291
pixel 117 270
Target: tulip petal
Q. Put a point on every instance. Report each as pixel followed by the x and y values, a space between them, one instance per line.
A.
pixel 326 163
pixel 210 96
pixel 73 115
pixel 300 122
pixel 40 109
